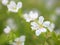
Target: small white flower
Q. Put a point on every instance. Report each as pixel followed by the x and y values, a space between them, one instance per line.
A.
pixel 40 25
pixel 31 16
pixel 4 2
pixel 7 30
pixel 13 7
pixel 19 41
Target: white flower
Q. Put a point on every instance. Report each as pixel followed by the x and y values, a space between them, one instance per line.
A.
pixel 40 26
pixel 13 7
pixel 31 16
pixel 19 41
pixel 4 2
pixel 7 30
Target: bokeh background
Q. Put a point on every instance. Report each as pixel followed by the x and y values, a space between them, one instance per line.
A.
pixel 50 9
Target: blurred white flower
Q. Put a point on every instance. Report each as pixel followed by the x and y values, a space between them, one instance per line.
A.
pixel 19 41
pixel 40 25
pixel 13 7
pixel 7 30
pixel 10 22
pixel 5 2
pixel 57 11
pixel 31 16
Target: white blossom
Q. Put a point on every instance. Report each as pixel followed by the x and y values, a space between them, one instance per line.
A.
pixel 7 30
pixel 40 26
pixel 19 41
pixel 5 2
pixel 31 16
pixel 13 7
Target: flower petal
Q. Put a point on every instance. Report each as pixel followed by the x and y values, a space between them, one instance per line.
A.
pixel 51 27
pixel 19 5
pixel 7 30
pixel 5 2
pixel 22 38
pixel 43 29
pixel 41 19
pixel 38 32
pixel 34 26
pixel 46 23
pixel 33 15
pixel 12 4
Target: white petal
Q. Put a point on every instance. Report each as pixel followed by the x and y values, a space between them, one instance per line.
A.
pixel 41 19
pixel 22 38
pixel 53 25
pixel 43 30
pixel 7 30
pixel 50 29
pixel 12 4
pixel 38 32
pixel 4 2
pixel 46 23
pixel 34 26
pixel 19 5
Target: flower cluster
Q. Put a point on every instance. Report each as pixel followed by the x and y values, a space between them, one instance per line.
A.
pixel 37 23
pixel 12 6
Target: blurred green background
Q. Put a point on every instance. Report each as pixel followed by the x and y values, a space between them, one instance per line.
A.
pixel 45 8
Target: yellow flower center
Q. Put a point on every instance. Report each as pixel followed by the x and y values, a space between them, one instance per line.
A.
pixel 41 26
